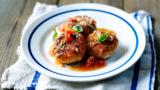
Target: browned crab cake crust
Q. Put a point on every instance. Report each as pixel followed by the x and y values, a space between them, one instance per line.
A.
pixel 88 24
pixel 104 49
pixel 66 53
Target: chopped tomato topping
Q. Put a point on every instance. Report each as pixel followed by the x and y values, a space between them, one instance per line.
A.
pixel 68 35
pixel 72 20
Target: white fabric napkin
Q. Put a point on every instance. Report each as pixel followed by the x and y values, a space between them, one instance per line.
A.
pixel 139 77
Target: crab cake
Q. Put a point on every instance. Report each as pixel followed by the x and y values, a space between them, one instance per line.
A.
pixel 102 43
pixel 84 24
pixel 68 48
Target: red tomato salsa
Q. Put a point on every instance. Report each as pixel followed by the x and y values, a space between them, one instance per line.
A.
pixel 91 63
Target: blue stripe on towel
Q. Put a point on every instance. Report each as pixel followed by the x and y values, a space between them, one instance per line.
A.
pixel 136 68
pixel 34 81
pixel 152 51
pixel 135 75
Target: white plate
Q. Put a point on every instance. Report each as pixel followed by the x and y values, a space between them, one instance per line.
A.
pixel 38 38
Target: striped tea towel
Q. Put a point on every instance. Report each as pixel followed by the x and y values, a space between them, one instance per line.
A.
pixel 139 77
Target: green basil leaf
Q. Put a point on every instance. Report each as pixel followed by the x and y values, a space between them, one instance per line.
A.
pixel 102 38
pixel 55 34
pixel 78 28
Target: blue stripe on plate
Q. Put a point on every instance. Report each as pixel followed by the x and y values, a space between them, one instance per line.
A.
pixel 34 81
pixel 136 67
pixel 152 51
pixel 74 10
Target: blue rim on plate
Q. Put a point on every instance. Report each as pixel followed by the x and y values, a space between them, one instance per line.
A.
pixel 85 9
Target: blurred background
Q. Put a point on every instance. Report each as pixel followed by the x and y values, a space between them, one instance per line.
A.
pixel 14 14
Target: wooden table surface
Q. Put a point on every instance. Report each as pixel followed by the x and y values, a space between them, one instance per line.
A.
pixel 14 14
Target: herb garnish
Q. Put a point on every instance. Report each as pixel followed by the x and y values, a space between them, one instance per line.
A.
pixel 55 34
pixel 102 38
pixel 78 28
